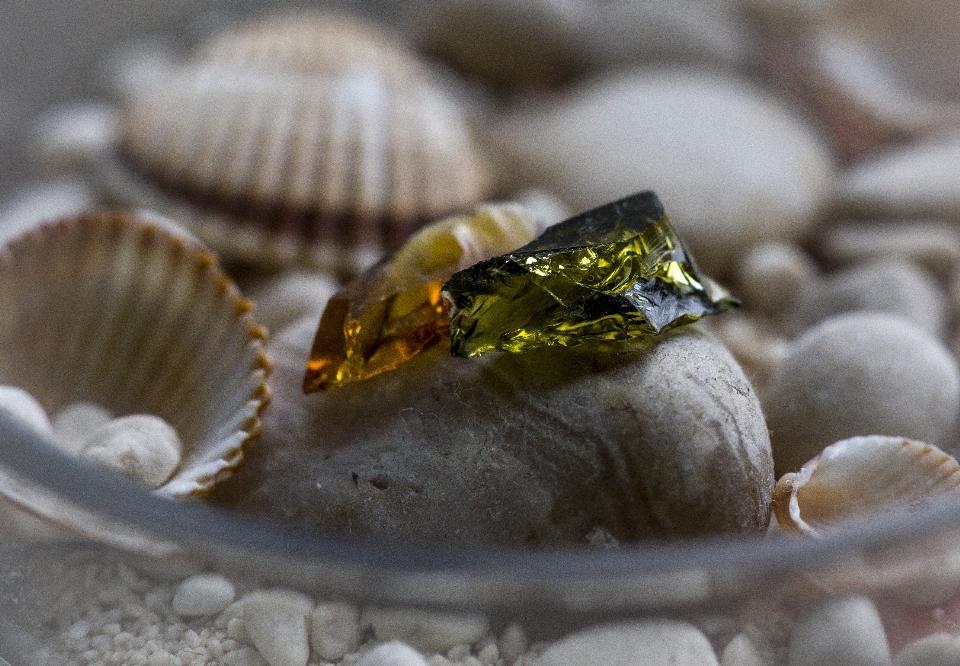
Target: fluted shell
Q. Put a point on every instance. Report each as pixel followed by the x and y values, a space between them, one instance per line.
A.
pixel 110 309
pixel 862 476
pixel 309 42
pixel 324 164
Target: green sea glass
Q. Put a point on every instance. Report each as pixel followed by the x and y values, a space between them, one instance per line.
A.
pixel 613 273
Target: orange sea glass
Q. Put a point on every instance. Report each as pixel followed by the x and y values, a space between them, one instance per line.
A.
pixel 394 311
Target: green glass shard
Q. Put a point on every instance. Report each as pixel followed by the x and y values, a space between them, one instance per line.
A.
pixel 613 273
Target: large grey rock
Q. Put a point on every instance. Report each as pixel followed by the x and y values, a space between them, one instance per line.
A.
pixel 652 439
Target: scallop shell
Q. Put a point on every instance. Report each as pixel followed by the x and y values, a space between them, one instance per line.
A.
pixel 111 309
pixel 325 164
pixel 859 477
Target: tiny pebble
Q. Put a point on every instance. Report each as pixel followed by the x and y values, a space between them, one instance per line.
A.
pixel 394 653
pixel 141 446
pixel 935 650
pixel 741 652
pixel 245 656
pixel 512 642
pixel 775 276
pixel 429 632
pixel 277 622
pixel 73 425
pixel 660 642
pixel 204 594
pixel 26 408
pixel 840 632
pixel 335 630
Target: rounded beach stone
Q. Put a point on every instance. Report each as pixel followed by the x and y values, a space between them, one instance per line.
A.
pixel 655 643
pixel 840 632
pixel 740 651
pixel 917 179
pixel 394 653
pixel 853 375
pixel 935 650
pixel 892 286
pixel 335 630
pixel 141 446
pixel 74 424
pixel 773 277
pixel 762 174
pixel 203 594
pixel 278 624
pixel 18 402
pixel 657 438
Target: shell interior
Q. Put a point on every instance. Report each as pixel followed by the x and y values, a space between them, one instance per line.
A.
pixel 861 477
pixel 109 309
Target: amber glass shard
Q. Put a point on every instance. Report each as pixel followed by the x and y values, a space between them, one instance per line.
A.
pixel 613 273
pixel 395 311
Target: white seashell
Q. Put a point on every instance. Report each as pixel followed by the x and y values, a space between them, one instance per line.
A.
pixel 140 446
pixel 274 148
pixel 862 476
pixel 108 309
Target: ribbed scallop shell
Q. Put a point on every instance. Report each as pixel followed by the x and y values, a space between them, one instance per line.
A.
pixel 861 476
pixel 109 309
pixel 299 163
pixel 314 42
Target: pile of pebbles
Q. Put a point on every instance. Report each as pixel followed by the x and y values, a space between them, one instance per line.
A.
pixel 843 243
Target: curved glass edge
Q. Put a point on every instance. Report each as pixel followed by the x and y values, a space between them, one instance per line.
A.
pixel 574 582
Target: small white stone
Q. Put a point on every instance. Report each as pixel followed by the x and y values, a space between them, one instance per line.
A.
pixel 774 276
pixel 76 423
pixel 933 650
pixel 18 402
pixel 840 632
pixel 141 446
pixel 394 653
pixel 656 642
pixel 245 656
pixel 512 642
pixel 428 632
pixel 740 651
pixel 204 594
pixel 335 630
pixel 277 622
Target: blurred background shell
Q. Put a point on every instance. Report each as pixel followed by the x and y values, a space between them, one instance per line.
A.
pixel 276 149
pixel 113 310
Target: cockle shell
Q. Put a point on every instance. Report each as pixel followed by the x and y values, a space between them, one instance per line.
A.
pixel 273 156
pixel 117 311
pixel 860 476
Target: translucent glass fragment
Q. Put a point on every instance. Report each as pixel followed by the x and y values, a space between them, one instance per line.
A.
pixel 394 311
pixel 613 273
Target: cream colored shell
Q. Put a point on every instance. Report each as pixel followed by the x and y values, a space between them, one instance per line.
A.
pixel 862 476
pixel 310 42
pixel 109 309
pixel 272 156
